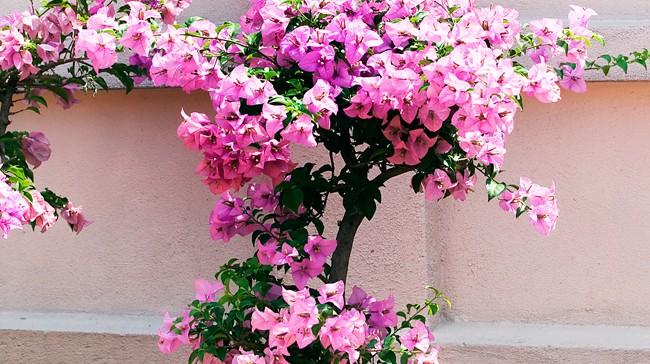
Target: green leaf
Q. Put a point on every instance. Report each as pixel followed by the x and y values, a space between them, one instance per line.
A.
pixel 292 199
pixel 622 62
pixel 192 20
pixel 433 308
pixel 320 227
pixel 606 69
pixel 242 283
pixel 54 3
pixel 124 78
pixel 34 109
pixel 59 91
pixel 606 57
pixel 519 101
pixel 366 204
pixel 416 182
pixel 193 357
pixel 641 62
pixel 494 188
pixel 388 356
pixel 101 82
pixel 405 358
pixel 521 209
pixel 84 5
pixel 39 99
pixel 599 38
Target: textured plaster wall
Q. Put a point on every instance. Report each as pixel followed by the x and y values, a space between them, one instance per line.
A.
pixel 119 157
pixel 594 268
pixel 150 238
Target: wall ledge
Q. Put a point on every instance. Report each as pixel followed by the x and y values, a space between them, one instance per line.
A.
pixel 80 323
pixel 591 337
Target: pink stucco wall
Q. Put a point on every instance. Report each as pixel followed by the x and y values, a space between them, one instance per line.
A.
pixel 119 157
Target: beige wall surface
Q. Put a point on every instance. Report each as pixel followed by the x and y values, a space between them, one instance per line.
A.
pixel 118 156
pixel 594 268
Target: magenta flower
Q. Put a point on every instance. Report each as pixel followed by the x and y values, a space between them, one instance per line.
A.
pixel 36 148
pixel 304 314
pixel 319 249
pixel 247 358
pixel 319 98
pixel 359 299
pixel 574 80
pixel 138 37
pixel 75 218
pixel 401 32
pixel 294 44
pixel 206 291
pixel 168 340
pixel 332 293
pixel 14 209
pixel 304 270
pixel 579 19
pixel 436 184
pixel 382 313
pixel 319 61
pixel 418 337
pixel 544 218
pixel 264 320
pixel 300 131
pixel 41 213
pixel 99 48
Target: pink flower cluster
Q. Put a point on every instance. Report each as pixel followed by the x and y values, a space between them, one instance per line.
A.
pixel 30 207
pixel 236 147
pixel 17 210
pixel 354 326
pixel 13 208
pixel 351 327
pixel 303 266
pixel 173 335
pixel 235 216
pixel 539 201
pixel 411 76
pixel 30 39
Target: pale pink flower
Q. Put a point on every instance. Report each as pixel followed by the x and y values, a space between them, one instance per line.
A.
pixel 206 291
pixel 332 293
pixel 300 131
pixel 75 217
pixel 36 148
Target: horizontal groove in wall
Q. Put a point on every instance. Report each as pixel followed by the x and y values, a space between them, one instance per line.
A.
pixel 591 337
pixel 81 323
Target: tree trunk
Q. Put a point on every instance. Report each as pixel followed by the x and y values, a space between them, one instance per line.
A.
pixel 345 239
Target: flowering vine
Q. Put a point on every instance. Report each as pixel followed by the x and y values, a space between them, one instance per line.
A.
pixel 428 88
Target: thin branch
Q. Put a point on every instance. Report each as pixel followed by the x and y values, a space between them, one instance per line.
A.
pixel 390 173
pixel 18 112
pixel 60 63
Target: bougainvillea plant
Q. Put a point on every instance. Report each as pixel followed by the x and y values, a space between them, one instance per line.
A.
pixel 427 88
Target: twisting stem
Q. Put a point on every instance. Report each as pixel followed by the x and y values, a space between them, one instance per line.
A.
pixel 348 229
pixel 8 91
pixel 6 97
pixel 345 239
